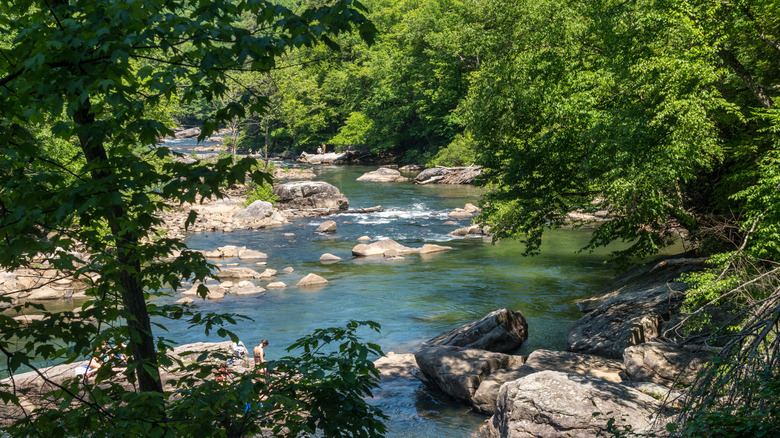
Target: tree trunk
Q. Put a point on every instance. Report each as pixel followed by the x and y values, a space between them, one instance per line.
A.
pixel 758 91
pixel 138 322
pixel 265 150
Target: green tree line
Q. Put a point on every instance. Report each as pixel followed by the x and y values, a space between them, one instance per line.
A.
pixel 662 113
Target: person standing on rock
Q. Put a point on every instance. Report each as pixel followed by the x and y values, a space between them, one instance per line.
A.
pixel 259 352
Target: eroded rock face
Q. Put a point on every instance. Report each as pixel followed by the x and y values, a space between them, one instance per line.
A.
pixel 555 404
pixel 309 195
pixel 663 364
pixel 458 372
pixel 383 174
pixel 629 311
pixel 502 330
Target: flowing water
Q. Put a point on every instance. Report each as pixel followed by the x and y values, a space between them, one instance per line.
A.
pixel 413 299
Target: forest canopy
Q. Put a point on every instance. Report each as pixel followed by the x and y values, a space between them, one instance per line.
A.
pixel 662 113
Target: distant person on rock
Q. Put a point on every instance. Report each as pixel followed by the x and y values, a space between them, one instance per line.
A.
pixel 259 352
pixel 319 150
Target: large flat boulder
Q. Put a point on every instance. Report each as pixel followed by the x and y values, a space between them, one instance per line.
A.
pixel 576 363
pixel 383 174
pixel 396 366
pixel 237 274
pixel 663 364
pixel 630 310
pixel 501 330
pixel 556 404
pixel 448 175
pixel 380 248
pixel 310 195
pixel 327 158
pixel 458 372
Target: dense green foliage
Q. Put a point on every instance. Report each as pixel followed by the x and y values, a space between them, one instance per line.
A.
pixel 85 88
pixel 660 112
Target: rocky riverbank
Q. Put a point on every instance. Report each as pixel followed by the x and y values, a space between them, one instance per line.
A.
pixel 616 363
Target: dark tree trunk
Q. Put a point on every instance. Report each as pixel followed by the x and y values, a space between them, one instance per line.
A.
pixel 139 325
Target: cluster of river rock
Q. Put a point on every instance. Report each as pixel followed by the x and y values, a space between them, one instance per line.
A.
pixel 614 364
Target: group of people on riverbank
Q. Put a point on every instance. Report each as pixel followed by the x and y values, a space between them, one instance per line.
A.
pixel 104 356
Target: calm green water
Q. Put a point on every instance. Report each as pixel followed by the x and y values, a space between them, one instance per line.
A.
pixel 413 299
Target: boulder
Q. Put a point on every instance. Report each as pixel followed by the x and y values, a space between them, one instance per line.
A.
pixel 45 293
pixel 185 300
pixel 327 227
pixel 474 230
pixel 215 292
pixel 309 195
pixel 576 363
pixel 311 280
pixel 187 133
pixel 448 175
pixel 430 248
pixel 380 248
pixel 256 210
pixel 630 310
pixel 288 270
pixel 460 213
pixel 250 254
pixel 276 285
pixel 502 330
pixel 383 174
pixel 268 273
pixel 246 290
pixel 329 258
pixel 327 158
pixel 663 364
pixel 555 404
pixel 364 239
pixel 237 273
pixel 484 399
pixel 224 252
pixel 394 366
pixel 458 372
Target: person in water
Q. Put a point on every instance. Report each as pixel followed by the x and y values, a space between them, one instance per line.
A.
pixel 259 352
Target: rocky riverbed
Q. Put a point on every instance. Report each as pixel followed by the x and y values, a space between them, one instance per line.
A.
pixel 616 364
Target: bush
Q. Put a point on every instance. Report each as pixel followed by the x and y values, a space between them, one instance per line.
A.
pixel 459 153
pixel 261 192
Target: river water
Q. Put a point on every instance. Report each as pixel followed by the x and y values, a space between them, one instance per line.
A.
pixel 413 299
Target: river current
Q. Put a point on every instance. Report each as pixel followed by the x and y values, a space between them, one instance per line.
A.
pixel 413 299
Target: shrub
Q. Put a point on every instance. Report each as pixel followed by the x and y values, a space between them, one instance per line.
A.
pixel 262 192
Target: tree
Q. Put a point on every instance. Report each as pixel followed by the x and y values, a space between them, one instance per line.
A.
pixel 97 74
pixel 664 114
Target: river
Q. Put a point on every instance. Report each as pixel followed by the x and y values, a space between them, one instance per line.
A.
pixel 413 299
